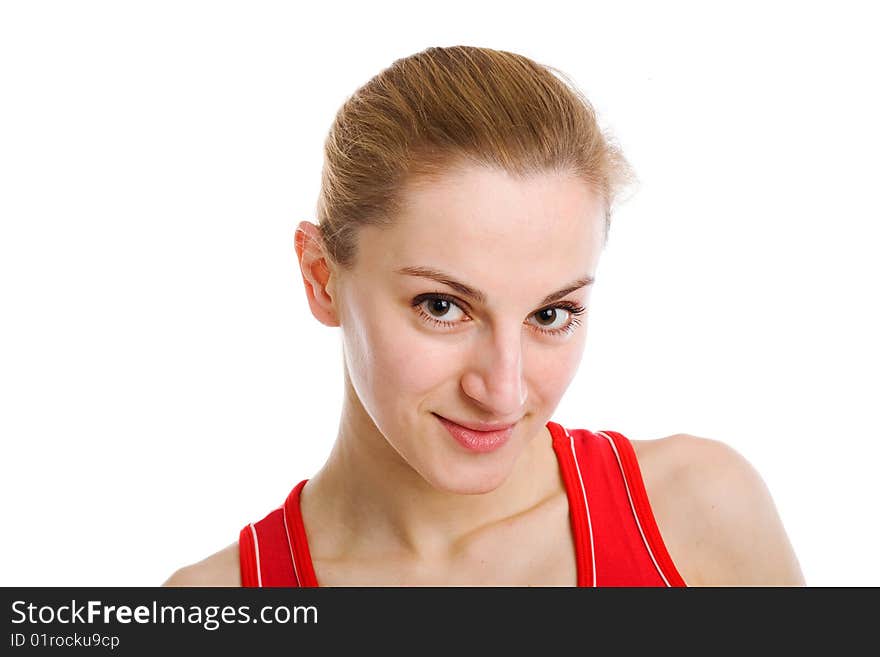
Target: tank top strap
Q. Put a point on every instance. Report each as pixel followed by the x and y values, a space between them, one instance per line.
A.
pixel 640 510
pixel 616 536
pixel 268 548
pixel 569 454
pixel 297 541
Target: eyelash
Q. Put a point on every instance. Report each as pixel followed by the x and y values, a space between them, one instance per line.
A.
pixel 573 309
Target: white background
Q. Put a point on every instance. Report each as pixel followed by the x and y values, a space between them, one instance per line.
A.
pixel 162 382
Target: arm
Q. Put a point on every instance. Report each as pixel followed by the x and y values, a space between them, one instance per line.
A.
pixel 219 569
pixel 732 526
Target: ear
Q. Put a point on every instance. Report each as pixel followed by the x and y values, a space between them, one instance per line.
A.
pixel 316 273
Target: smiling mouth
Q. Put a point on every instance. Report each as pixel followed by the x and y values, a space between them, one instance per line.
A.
pixel 485 427
pixel 476 441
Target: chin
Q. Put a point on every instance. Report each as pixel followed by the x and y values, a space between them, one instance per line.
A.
pixel 476 482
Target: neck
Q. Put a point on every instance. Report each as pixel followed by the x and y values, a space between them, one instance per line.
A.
pixel 376 503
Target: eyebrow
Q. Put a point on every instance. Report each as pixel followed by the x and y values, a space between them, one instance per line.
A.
pixel 477 295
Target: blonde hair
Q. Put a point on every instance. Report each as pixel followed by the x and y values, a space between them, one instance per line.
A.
pixel 447 107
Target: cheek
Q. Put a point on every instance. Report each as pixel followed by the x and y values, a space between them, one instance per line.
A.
pixel 393 358
pixel 410 365
pixel 551 371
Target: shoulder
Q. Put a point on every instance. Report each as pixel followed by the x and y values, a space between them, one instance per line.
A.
pixel 220 569
pixel 715 513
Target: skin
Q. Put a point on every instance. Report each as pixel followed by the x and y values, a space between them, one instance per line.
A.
pixel 398 502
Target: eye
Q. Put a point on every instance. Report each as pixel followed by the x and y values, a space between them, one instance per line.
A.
pixel 434 307
pixel 549 318
pixel 441 310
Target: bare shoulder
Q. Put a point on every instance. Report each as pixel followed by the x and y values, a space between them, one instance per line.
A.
pixel 219 569
pixel 715 513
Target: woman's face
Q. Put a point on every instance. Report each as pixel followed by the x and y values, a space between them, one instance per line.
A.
pixel 417 347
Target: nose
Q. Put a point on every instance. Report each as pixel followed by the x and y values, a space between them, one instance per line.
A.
pixel 494 378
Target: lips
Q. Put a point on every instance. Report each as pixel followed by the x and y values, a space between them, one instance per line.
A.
pixel 475 440
pixel 479 426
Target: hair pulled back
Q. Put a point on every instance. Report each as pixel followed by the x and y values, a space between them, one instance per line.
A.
pixel 454 106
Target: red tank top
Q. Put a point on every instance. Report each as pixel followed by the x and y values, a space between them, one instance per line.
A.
pixel 617 542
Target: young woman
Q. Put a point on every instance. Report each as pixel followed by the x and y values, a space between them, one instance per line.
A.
pixel 466 198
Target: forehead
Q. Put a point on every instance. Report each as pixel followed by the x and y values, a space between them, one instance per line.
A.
pixel 484 224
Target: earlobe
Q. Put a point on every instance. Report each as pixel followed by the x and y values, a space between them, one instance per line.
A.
pixel 316 273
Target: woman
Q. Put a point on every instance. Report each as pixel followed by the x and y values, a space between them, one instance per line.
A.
pixel 466 198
